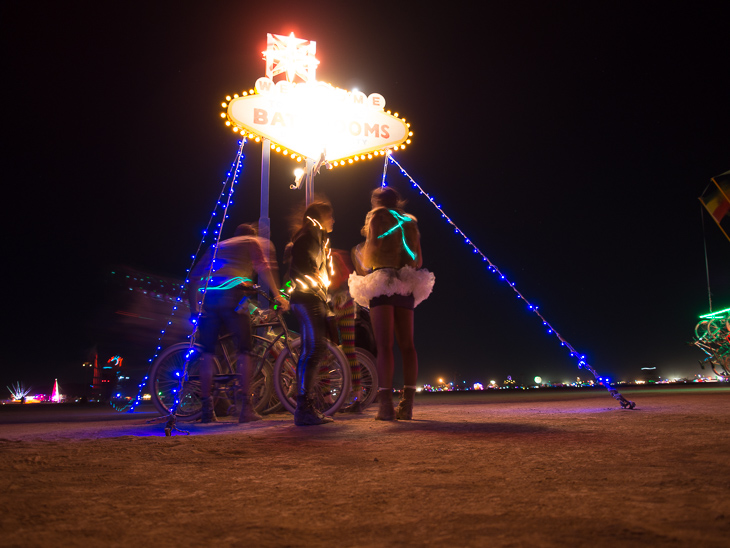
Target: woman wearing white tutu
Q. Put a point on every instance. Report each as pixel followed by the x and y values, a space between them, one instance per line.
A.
pixel 392 286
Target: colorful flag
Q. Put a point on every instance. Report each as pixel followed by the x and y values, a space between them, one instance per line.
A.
pixel 716 200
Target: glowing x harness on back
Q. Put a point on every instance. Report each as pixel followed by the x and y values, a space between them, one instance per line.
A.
pixel 401 219
pixel 228 284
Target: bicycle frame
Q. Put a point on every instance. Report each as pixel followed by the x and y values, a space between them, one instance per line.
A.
pixel 271 338
pixel 712 336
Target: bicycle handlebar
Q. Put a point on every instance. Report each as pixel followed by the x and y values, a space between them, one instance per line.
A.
pixel 260 291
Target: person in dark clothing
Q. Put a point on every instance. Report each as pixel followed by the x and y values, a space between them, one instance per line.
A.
pixel 218 283
pixel 310 270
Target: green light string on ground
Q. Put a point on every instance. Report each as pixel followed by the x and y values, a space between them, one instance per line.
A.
pixel 228 186
pixel 582 363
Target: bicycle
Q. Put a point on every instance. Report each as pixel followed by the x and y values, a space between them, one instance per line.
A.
pixel 175 378
pixel 712 336
pixel 333 384
pixel 712 329
pixel 718 356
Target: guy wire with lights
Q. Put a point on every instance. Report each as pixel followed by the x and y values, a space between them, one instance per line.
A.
pixel 226 194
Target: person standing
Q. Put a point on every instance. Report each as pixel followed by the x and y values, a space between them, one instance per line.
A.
pixel 343 306
pixel 222 275
pixel 393 285
pixel 310 270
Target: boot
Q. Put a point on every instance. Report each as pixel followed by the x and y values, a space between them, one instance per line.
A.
pixel 404 411
pixel 248 413
pixel 208 413
pixel 306 414
pixel 243 394
pixel 385 409
pixel 354 407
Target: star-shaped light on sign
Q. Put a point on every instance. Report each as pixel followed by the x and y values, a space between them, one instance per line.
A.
pixel 292 56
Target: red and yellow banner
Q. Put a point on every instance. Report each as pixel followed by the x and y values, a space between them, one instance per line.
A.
pixel 717 202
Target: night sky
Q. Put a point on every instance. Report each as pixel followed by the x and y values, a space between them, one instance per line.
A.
pixel 569 142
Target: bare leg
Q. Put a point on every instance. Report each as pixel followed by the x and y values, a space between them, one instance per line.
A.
pixel 404 337
pixel 382 319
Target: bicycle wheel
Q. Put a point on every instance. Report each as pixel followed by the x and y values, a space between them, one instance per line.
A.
pixel 265 357
pixel 701 329
pixel 168 387
pixel 715 329
pixel 333 378
pixel 262 388
pixel 368 376
pixel 720 365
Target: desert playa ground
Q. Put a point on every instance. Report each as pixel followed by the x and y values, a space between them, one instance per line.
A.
pixel 506 468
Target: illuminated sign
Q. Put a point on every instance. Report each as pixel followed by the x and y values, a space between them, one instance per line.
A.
pixel 310 118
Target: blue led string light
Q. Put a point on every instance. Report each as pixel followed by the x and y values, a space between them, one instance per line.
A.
pixel 204 290
pixel 224 200
pixel 581 359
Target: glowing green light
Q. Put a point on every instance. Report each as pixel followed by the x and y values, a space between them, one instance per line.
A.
pixel 716 314
pixel 400 220
pixel 228 284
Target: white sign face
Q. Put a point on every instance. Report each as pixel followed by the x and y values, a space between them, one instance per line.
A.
pixel 314 118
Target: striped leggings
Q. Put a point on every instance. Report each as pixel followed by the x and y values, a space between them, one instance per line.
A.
pixel 345 314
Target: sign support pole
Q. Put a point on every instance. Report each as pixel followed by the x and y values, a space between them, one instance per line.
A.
pixel 309 182
pixel 264 220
